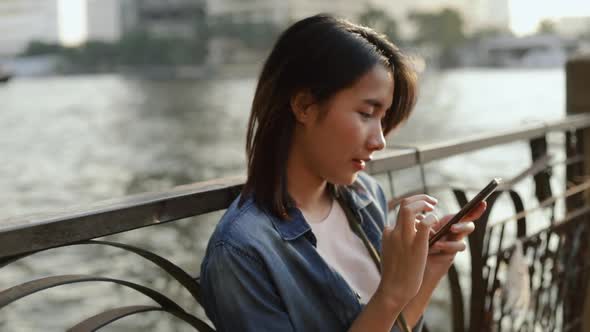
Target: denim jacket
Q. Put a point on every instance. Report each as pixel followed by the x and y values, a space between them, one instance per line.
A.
pixel 261 273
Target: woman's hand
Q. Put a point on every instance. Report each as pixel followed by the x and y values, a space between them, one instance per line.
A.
pixel 442 253
pixel 440 258
pixel 405 250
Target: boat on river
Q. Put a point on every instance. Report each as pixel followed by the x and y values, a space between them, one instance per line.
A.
pixel 5 75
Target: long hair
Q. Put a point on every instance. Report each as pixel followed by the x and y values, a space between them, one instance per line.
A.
pixel 323 55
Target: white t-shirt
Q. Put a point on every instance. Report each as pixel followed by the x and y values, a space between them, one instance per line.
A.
pixel 345 252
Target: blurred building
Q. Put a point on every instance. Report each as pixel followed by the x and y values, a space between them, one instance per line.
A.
pixel 24 20
pixel 164 18
pixel 572 27
pixel 482 14
pixel 282 12
pixel 256 11
pixel 476 14
pixel 103 19
pixel 349 9
pixel 178 17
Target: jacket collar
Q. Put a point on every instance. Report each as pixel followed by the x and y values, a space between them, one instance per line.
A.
pixel 357 196
pixel 292 229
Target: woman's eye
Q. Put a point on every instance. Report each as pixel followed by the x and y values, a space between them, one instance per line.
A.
pixel 365 115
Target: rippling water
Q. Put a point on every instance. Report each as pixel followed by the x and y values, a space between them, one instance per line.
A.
pixel 74 140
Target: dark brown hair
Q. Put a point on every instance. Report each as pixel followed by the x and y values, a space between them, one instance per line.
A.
pixel 322 55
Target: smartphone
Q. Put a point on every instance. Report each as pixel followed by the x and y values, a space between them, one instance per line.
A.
pixel 481 196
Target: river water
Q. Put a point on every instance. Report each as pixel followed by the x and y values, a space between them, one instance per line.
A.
pixel 75 140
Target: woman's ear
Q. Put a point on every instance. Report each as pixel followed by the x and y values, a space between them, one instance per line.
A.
pixel 301 106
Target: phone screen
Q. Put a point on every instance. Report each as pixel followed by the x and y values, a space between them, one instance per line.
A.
pixel 481 196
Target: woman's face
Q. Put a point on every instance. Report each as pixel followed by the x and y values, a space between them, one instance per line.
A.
pixel 338 146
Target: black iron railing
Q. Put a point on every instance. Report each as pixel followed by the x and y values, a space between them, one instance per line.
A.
pixel 555 258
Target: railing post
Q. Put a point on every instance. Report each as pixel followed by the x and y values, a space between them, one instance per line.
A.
pixel 578 101
pixel 539 148
pixel 578 142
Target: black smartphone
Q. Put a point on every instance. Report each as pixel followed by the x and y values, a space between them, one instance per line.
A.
pixel 481 196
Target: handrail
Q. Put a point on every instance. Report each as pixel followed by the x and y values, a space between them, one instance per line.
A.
pixel 396 159
pixel 36 232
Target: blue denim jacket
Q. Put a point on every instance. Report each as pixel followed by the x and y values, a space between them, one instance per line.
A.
pixel 261 273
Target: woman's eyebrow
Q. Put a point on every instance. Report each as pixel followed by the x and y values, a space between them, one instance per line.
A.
pixel 373 102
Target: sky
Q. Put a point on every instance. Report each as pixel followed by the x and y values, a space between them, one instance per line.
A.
pixel 525 16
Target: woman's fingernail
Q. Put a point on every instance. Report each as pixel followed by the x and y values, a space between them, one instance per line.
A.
pixel 428 221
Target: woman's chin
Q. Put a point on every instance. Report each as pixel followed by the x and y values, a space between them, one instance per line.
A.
pixel 345 180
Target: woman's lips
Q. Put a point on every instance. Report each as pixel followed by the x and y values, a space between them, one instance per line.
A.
pixel 359 164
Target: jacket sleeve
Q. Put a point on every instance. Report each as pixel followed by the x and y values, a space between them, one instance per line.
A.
pixel 237 293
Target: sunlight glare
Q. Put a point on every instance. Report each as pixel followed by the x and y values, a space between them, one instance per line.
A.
pixel 72 21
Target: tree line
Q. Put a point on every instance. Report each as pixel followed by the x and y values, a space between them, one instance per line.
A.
pixel 442 31
pixel 140 48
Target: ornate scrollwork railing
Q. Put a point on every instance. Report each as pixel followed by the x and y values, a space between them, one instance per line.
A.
pixel 555 256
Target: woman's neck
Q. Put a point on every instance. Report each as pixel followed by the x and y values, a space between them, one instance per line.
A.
pixel 308 190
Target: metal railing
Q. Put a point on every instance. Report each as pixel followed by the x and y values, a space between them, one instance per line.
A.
pixel 561 244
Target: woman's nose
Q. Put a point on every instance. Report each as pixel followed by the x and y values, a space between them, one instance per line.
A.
pixel 376 140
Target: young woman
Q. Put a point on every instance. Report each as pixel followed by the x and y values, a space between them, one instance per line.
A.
pixel 305 246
